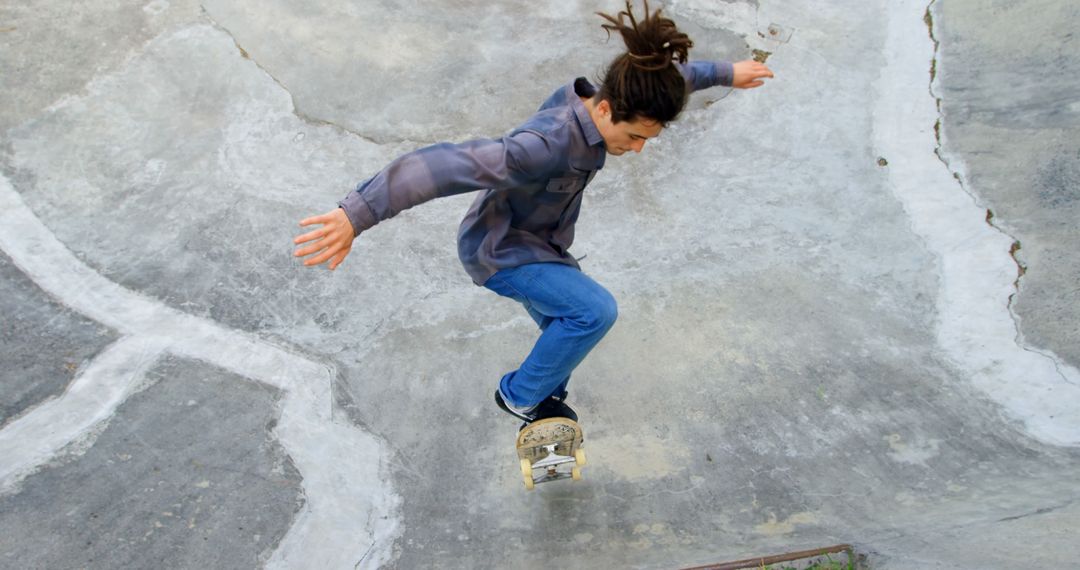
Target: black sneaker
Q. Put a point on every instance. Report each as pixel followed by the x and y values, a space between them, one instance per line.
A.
pixel 529 415
pixel 554 407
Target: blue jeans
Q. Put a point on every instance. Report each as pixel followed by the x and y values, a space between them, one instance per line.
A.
pixel 573 312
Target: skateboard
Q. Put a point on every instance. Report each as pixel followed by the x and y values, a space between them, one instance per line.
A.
pixel 547 445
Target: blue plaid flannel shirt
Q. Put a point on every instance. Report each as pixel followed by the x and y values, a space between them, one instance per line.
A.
pixel 532 179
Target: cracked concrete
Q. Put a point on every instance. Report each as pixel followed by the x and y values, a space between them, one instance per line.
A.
pixel 145 449
pixel 1017 147
pixel 314 121
pixel 821 337
pixel 943 156
pixel 1062 373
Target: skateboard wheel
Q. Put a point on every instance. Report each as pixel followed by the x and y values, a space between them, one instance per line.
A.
pixel 526 473
pixel 575 473
pixel 579 457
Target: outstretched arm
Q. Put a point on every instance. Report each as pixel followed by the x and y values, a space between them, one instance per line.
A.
pixel 425 174
pixel 743 74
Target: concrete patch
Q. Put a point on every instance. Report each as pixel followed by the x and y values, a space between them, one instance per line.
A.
pixel 332 56
pixel 187 474
pixel 914 453
pixel 1015 147
pixel 342 495
pixel 44 343
pixel 639 456
pixel 96 36
pixel 975 326
pixel 80 413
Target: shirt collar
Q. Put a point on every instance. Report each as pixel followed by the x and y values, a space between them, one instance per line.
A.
pixel 578 89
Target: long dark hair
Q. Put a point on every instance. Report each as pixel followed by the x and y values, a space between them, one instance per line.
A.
pixel 644 82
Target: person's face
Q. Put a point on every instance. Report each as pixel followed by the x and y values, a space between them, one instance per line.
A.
pixel 625 136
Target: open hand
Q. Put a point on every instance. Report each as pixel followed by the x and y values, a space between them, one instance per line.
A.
pixel 749 74
pixel 333 241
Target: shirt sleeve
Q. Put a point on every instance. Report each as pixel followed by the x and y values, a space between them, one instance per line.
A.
pixel 704 74
pixel 447 169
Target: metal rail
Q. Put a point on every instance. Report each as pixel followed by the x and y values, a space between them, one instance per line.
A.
pixel 778 558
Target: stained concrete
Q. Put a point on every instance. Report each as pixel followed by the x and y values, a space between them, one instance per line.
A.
pixel 164 484
pixel 44 342
pixel 1017 147
pixel 93 38
pixel 815 345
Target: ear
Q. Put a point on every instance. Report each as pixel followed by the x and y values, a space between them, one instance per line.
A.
pixel 604 108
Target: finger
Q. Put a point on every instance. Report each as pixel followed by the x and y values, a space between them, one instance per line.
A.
pixel 321 257
pixel 320 219
pixel 336 261
pixel 310 249
pixel 342 254
pixel 315 234
pixel 315 260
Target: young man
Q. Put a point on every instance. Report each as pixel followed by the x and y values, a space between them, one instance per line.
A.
pixel 515 238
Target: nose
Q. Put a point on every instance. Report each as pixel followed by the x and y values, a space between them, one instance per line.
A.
pixel 638 145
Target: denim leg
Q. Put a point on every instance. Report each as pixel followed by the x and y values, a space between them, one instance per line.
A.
pixel 574 313
pixel 543 322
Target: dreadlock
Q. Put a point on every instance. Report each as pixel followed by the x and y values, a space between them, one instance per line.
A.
pixel 644 81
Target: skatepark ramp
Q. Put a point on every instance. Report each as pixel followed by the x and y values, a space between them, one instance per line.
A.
pixel 847 299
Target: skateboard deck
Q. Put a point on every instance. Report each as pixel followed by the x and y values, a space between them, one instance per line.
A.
pixel 548 446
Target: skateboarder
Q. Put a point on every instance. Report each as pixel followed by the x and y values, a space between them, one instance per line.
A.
pixel 515 239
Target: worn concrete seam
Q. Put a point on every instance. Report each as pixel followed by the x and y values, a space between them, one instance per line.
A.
pixel 303 116
pixel 1038 512
pixel 974 326
pixel 1021 268
pixel 341 464
pixel 93 396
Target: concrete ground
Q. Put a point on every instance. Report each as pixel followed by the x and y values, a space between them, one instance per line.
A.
pixel 848 300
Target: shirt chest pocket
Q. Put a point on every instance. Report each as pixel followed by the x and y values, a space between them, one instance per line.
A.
pixel 565 185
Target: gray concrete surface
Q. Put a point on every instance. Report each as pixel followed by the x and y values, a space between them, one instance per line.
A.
pixel 821 338
pixel 44 343
pixel 184 499
pixel 1017 146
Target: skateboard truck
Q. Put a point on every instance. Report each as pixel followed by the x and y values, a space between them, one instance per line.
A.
pixel 548 444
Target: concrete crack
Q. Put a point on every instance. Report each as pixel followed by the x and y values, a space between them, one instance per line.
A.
pixel 295 104
pixel 305 426
pixel 1037 512
pixel 364 557
pixel 1021 268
